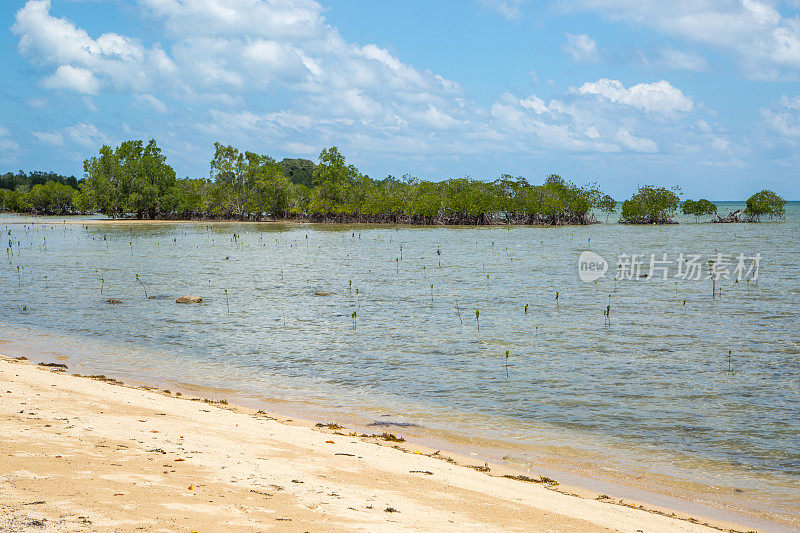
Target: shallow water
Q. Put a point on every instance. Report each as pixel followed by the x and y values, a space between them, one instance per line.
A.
pixel 650 387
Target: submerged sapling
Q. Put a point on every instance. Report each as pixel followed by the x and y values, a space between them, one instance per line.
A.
pixel 712 275
pixel 142 284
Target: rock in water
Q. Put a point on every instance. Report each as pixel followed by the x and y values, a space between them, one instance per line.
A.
pixel 189 300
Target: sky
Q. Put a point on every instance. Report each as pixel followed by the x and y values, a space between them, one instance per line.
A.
pixel 702 94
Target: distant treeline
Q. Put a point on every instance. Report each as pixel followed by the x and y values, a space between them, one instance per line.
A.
pixel 135 180
pixel 27 180
pixel 41 192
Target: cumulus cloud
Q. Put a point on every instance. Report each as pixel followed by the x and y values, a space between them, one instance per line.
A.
pixel 581 48
pixel 659 97
pixel 223 56
pixel 82 64
pixel 78 79
pixel 766 43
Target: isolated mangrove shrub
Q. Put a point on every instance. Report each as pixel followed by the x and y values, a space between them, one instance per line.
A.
pixel 765 203
pixel 650 205
pixel 698 208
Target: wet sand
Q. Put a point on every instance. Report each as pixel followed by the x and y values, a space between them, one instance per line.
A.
pixel 82 454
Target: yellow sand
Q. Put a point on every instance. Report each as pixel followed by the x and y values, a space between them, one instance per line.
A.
pixel 78 454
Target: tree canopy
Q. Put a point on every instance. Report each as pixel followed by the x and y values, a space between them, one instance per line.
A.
pixel 650 205
pixel 698 208
pixel 765 203
pixel 134 179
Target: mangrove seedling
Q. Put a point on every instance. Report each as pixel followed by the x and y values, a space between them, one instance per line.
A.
pixel 730 368
pixel 506 365
pixel 227 303
pixel 477 317
pixel 712 275
pixel 102 282
pixel 431 294
pixel 354 316
pixel 607 314
pixel 526 309
pixel 142 284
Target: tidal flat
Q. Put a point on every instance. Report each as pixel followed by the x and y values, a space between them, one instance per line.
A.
pixel 674 392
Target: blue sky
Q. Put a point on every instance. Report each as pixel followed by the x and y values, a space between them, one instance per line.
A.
pixel 703 94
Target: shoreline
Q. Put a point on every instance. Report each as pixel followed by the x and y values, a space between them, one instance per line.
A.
pixel 50 392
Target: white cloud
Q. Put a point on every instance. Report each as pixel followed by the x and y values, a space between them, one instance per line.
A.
pixel 581 48
pixel 510 9
pixel 227 58
pixel 86 134
pixel 535 104
pixel 9 148
pixel 53 138
pixel 658 97
pixel 81 63
pixel 637 144
pixel 36 103
pixel 152 101
pixel 675 59
pixel 766 43
pixel 75 78
pixel 272 19
pixel 783 117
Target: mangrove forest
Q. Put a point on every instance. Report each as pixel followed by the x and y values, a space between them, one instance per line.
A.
pixel 134 180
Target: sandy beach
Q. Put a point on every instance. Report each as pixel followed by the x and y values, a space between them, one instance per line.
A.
pixel 83 454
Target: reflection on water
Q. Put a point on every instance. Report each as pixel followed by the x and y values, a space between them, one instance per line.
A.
pixel 652 386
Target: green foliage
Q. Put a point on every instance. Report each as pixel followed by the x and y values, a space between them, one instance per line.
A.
pixel 334 185
pixel 28 180
pixel 765 203
pixel 299 171
pixel 699 208
pixel 131 178
pixel 650 205
pixel 15 200
pixel 134 179
pixel 52 198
